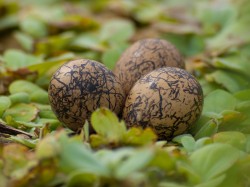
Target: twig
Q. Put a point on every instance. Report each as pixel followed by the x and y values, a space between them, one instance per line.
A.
pixel 12 131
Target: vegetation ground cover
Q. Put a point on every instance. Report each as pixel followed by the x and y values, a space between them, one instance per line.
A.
pixel 36 37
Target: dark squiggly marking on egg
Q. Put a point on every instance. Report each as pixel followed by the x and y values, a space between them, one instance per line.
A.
pixel 169 100
pixel 79 87
pixel 143 57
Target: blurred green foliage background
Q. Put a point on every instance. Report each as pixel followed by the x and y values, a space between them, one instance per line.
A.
pixel 37 36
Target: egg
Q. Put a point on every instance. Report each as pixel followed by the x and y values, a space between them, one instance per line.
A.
pixel 168 100
pixel 81 86
pixel 143 57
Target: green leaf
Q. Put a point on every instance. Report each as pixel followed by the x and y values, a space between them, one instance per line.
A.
pixel 27 142
pixel 138 136
pixel 113 158
pixel 163 161
pixel 244 107
pixel 230 119
pixel 50 65
pixel 22 112
pixel 236 63
pixel 203 142
pixel 34 27
pixel 75 155
pixel 187 44
pixel 14 157
pixel 111 55
pixel 87 41
pixel 208 129
pixel 55 44
pixel 107 124
pixel 15 59
pixel 214 159
pixel 25 40
pixel 214 182
pixel 20 97
pixel 28 124
pixel 81 178
pixel 117 31
pixel 9 21
pixel 171 184
pixel 134 163
pixel 51 123
pixel 47 114
pixel 236 139
pixel 243 95
pixel 218 101
pixel 5 103
pixel 148 12
pixel 188 143
pixel 39 96
pixel 232 81
pixel 98 140
pixel 48 147
pixel 24 86
pixel 215 18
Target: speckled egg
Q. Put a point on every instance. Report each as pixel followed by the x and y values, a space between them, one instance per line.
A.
pixel 143 57
pixel 169 100
pixel 79 87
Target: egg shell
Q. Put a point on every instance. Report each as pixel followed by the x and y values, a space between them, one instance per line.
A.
pixel 81 86
pixel 143 57
pixel 169 100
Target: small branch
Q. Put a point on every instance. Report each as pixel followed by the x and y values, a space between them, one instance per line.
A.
pixel 12 131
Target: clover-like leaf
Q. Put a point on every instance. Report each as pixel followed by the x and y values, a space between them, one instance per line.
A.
pixel 107 124
pixel 212 160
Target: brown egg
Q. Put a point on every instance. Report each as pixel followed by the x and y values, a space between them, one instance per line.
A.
pixel 169 100
pixel 79 87
pixel 143 57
